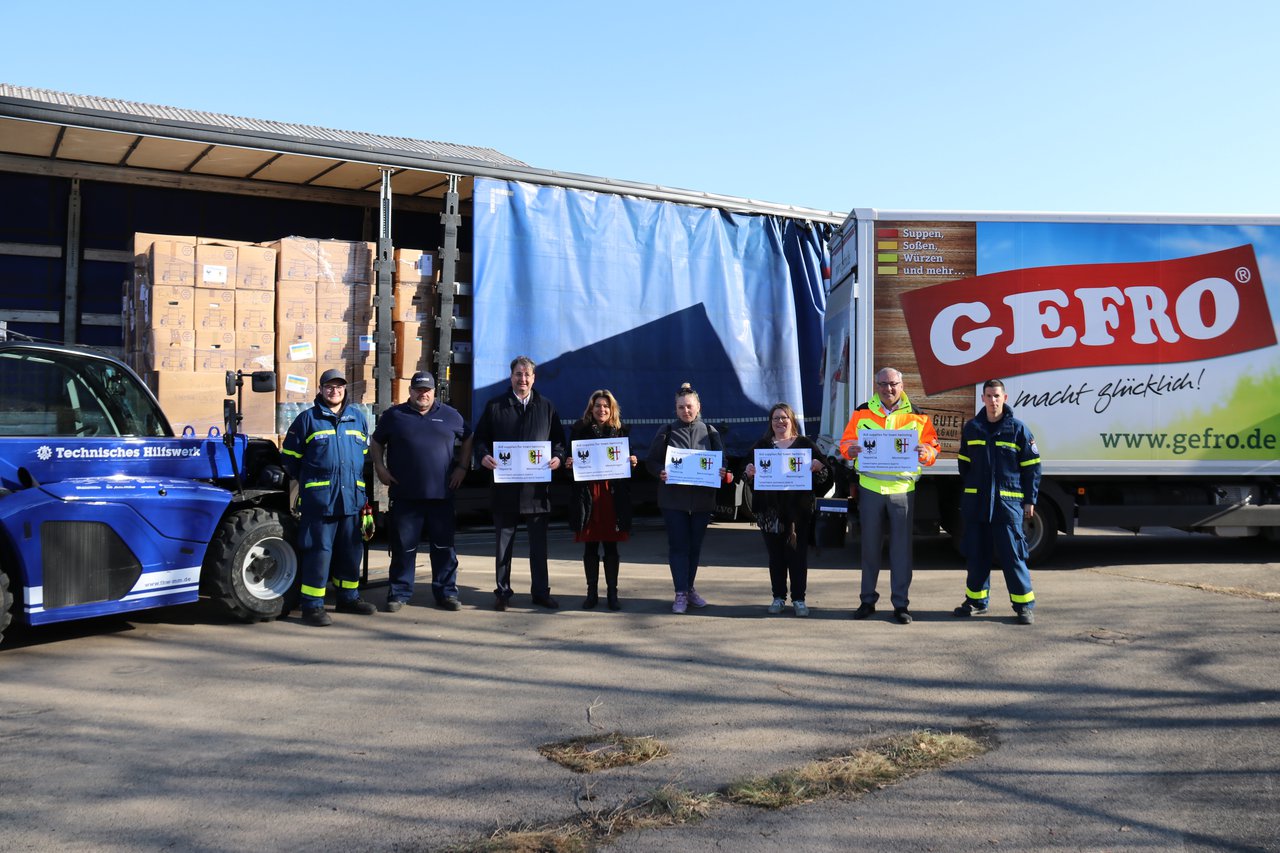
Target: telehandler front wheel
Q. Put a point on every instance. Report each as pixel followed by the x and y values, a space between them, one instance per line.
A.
pixel 251 564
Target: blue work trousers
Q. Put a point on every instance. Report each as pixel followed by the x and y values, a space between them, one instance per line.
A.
pixel 876 512
pixel 410 519
pixel 1008 544
pixel 329 545
pixel 685 532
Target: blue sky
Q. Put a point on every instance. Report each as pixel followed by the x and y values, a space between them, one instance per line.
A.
pixel 1077 106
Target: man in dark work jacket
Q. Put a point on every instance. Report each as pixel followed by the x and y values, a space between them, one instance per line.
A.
pixel 521 414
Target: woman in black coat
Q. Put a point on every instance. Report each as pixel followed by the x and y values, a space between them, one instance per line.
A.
pixel 600 510
pixel 784 515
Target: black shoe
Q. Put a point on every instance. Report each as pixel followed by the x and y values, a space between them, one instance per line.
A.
pixel 394 605
pixel 592 599
pixel 902 615
pixel 316 616
pixel 358 606
pixel 499 601
pixel 1026 617
pixel 546 601
pixel 965 610
pixel 613 600
pixel 449 603
pixel 864 610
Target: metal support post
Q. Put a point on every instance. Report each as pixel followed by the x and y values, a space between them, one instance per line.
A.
pixel 71 281
pixel 451 220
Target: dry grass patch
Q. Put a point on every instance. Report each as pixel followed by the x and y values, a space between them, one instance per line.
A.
pixel 667 806
pixel 875 766
pixel 590 753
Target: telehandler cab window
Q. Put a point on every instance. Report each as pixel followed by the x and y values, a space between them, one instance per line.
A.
pixel 50 394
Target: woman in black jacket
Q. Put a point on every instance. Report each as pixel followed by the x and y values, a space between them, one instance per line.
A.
pixel 784 515
pixel 600 510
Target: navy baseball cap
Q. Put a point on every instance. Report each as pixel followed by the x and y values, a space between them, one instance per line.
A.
pixel 333 374
pixel 422 379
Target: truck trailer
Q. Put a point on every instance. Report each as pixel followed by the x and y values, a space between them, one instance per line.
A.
pixel 1140 349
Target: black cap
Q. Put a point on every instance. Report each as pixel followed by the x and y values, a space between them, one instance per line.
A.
pixel 333 374
pixel 422 379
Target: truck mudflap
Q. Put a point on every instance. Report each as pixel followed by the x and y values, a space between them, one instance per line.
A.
pixel 93 547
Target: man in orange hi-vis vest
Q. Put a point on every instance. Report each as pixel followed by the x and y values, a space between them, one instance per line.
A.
pixel 887 498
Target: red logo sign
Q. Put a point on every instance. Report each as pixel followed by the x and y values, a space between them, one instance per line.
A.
pixel 1050 318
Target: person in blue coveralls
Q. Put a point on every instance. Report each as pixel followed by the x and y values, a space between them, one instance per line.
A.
pixel 1000 469
pixel 413 451
pixel 324 452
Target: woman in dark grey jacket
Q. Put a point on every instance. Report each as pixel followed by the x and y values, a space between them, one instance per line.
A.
pixel 686 510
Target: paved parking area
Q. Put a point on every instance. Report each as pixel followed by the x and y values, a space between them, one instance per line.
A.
pixel 1141 712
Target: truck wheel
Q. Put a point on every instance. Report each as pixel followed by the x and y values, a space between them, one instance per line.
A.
pixel 251 564
pixel 1042 532
pixel 6 603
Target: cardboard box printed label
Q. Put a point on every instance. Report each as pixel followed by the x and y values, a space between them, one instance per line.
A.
pixel 296 383
pixel 414 267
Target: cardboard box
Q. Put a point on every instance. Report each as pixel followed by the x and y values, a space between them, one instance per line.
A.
pixel 195 400
pixel 412 304
pixel 215 309
pixel 255 310
pixel 297 259
pixel 255 351
pixel 215 350
pixel 334 343
pixel 296 382
pixel 341 260
pixel 295 303
pixel 296 348
pixel 142 246
pixel 171 357
pixel 168 307
pixel 413 348
pixel 172 263
pixel 256 268
pixel 414 267
pixel 215 266
pixel 333 309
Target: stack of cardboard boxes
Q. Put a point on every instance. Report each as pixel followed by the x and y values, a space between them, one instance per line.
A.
pixel 182 314
pixel 198 307
pixel 413 316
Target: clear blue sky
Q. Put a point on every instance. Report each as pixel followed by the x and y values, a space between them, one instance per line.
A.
pixel 1165 106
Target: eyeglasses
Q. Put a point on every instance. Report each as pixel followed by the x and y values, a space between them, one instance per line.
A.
pixel 889 384
pixel 780 418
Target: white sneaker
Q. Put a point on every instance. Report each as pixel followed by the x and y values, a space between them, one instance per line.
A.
pixel 777 606
pixel 801 608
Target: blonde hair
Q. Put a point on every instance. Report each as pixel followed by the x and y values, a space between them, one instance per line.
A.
pixel 615 416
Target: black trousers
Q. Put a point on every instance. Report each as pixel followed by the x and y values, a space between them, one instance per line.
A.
pixel 504 528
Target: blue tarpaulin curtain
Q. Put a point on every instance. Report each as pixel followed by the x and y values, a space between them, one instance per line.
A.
pixel 637 296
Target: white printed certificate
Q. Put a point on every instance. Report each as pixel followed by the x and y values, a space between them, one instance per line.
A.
pixel 888 450
pixel 694 467
pixel 601 458
pixel 777 470
pixel 522 461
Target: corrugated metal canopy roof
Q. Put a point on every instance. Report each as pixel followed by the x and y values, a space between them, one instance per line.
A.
pixel 85 136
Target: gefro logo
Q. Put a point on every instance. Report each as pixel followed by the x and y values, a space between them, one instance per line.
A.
pixel 1050 318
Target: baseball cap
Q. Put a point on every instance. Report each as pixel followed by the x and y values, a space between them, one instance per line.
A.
pixel 422 379
pixel 333 374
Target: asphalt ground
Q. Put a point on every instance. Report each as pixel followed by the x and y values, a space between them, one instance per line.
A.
pixel 1140 712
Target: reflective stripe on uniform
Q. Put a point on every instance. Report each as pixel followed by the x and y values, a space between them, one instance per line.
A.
pixel 980 595
pixel 963 458
pixel 970 491
pixel 1022 599
pixel 313 591
pixel 358 434
pixel 360 483
pixel 315 483
pixel 348 584
pixel 1008 494
pixel 1035 461
pixel 1008 444
pixel 321 432
pixel 287 452
pixel 981 442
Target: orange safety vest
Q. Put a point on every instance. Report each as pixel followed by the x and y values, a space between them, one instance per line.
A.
pixel 871 415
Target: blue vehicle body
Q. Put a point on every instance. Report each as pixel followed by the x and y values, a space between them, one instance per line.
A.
pixel 111 523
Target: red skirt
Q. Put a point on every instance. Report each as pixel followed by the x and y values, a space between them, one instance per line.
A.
pixel 603 525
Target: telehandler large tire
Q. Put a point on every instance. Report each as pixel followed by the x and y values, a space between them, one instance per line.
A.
pixel 251 565
pixel 6 603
